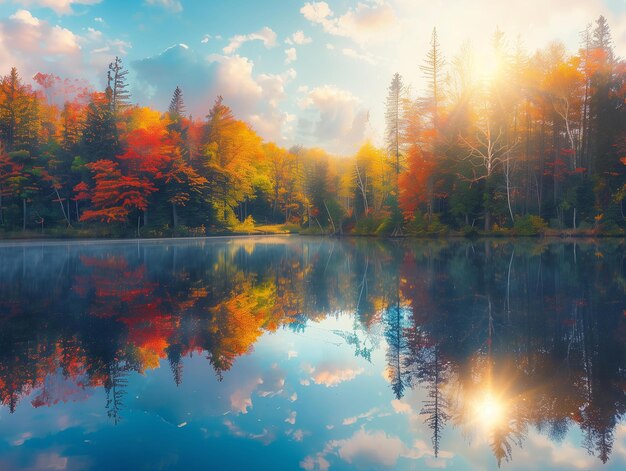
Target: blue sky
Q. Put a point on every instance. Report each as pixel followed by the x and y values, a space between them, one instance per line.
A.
pixel 299 71
pixel 296 401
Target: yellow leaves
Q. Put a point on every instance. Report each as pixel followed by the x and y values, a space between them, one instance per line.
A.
pixel 150 358
pixel 145 118
pixel 240 318
pixel 367 153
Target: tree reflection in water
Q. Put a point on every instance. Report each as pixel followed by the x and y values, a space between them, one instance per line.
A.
pixel 501 337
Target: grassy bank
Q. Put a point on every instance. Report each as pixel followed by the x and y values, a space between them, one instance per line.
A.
pixel 443 232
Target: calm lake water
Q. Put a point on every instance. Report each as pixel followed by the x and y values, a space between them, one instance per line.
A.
pixel 287 353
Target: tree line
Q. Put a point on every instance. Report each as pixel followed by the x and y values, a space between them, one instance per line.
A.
pixel 514 146
pixel 534 139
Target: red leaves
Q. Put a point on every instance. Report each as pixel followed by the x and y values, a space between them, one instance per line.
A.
pixel 146 151
pixel 152 160
pixel 81 192
pixel 10 173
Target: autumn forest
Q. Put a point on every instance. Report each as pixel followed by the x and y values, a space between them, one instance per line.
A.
pixel 319 235
pixel 528 144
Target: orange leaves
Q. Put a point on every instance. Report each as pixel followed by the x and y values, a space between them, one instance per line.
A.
pixel 564 77
pixel 414 182
pixel 10 173
pixel 114 194
pixel 598 61
pixel 152 157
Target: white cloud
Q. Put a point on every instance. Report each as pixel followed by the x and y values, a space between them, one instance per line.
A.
pixel 170 5
pixel 369 415
pixel 207 37
pixel 318 462
pixel 30 44
pixel 241 398
pixel 22 438
pixel 401 407
pixel 61 7
pixel 265 436
pixel 102 51
pixel 290 55
pixel 332 116
pixel 564 454
pixel 269 384
pixel 298 38
pixel 35 45
pixel 26 17
pixel 94 34
pixel 366 22
pixel 266 35
pixel 97 19
pixel 367 450
pixel 331 374
pixel 316 12
pixel 365 57
pixel 373 450
pixel 292 418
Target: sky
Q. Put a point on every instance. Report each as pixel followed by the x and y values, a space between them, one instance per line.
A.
pixel 296 401
pixel 300 72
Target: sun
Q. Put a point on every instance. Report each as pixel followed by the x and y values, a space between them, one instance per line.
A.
pixel 483 65
pixel 488 411
pixel 486 67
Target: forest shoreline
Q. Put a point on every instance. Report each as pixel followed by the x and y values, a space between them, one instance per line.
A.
pixel 29 236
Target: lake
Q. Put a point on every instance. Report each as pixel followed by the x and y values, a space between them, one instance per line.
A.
pixel 287 353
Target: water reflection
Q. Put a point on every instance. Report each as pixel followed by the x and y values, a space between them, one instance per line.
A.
pixel 495 339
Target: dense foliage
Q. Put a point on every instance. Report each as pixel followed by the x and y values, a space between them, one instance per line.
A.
pixel 540 135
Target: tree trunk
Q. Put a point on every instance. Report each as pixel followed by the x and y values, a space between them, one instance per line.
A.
pixel 66 216
pixel 331 218
pixel 308 214
pixel 23 214
pixel 174 216
pixel 508 191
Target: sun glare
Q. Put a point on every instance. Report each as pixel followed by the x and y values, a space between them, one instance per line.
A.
pixel 488 411
pixel 485 67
